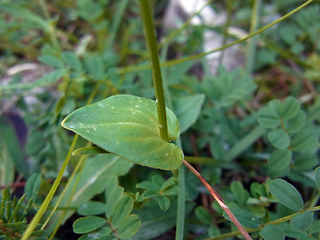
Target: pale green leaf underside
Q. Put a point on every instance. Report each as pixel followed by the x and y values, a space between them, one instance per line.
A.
pixel 128 126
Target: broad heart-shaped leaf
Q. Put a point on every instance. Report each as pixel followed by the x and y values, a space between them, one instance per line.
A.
pixel 128 126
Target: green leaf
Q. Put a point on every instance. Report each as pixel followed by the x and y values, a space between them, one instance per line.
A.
pixel 33 186
pixel 245 217
pixel 203 215
pixel 302 221
pixel 296 123
pixel 96 172
pixel 272 232
pixel 305 161
pixel 113 199
pixel 305 140
pixel 95 66
pixel 187 110
pixel 91 208
pixel 88 151
pixel 10 158
pixel 128 126
pixel 155 222
pixel 268 118
pixel 24 13
pixel 71 59
pixel 286 194
pixel 88 224
pixel 238 192
pixel 164 203
pixel 289 108
pixel 279 138
pixel 129 226
pixel 122 210
pixel 280 159
pixel 103 233
pixel 317 177
pixel 51 61
pixel 315 228
pixel 228 87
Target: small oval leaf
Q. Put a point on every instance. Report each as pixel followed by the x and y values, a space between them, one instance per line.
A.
pixel 91 208
pixel 272 232
pixel 286 194
pixel 296 123
pixel 302 221
pixel 128 126
pixel 317 177
pixel 268 118
pixel 88 224
pixel 305 140
pixel 279 138
pixel 289 108
pixel 129 226
pixel 280 159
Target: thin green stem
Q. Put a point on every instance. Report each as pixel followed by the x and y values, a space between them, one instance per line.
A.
pixel 155 65
pixel 197 56
pixel 79 164
pixel 53 189
pixel 277 221
pixel 181 207
pixel 251 50
pixel 51 28
pixel 244 143
pixel 225 29
pixel 186 23
pixel 116 22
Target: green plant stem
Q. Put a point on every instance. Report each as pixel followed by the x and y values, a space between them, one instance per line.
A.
pixel 174 33
pixel 251 50
pixel 244 143
pixel 116 22
pixel 53 189
pixel 197 56
pixel 51 28
pixel 181 207
pixel 79 164
pixel 155 66
pixel 216 196
pixel 280 220
pixel 225 29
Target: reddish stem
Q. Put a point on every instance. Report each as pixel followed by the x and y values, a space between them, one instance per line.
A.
pixel 220 201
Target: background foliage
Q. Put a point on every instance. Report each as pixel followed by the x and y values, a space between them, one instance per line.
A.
pixel 252 132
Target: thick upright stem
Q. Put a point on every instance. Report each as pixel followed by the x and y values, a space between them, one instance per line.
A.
pixel 155 65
